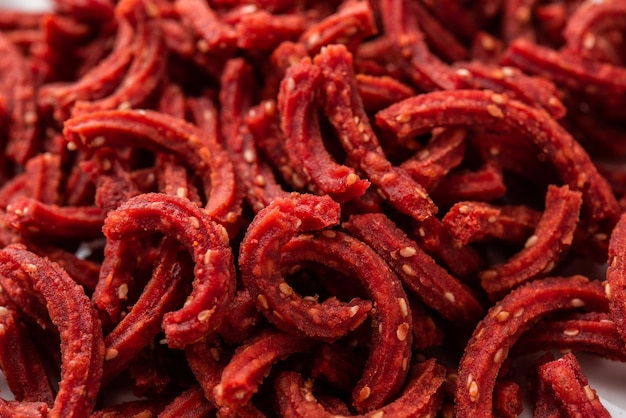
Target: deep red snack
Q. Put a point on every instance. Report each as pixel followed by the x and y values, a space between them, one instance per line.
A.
pixel 417 270
pixel 469 108
pixel 205 240
pixel 344 109
pixel 543 250
pixel 303 137
pixel 259 261
pixel 159 132
pixel 616 276
pixel 251 362
pixel 502 327
pixel 82 348
pixel 570 388
pixel 421 397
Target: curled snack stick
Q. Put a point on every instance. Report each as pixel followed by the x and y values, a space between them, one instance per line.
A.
pixel 391 319
pixel 303 136
pixel 502 327
pixel 421 397
pixel 478 221
pixel 533 91
pixel 21 364
pixel 256 177
pixel 592 332
pixel 417 270
pixel 93 11
pixel 82 348
pixel 603 83
pixel 344 109
pixel 259 261
pixel 251 362
pixel 543 250
pixel 443 152
pixel 570 388
pixel 206 241
pixel 191 403
pixel 469 108
pixel 18 91
pixel 616 276
pixel 97 82
pixel 23 409
pixel 159 132
pixel 136 409
pixel 144 74
pixel 143 321
pixel 589 22
pixel 353 22
pixel 30 217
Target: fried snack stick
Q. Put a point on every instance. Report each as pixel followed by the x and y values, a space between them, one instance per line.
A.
pixel 17 89
pixel 159 132
pixel 570 389
pixel 304 144
pixel 146 71
pixel 501 328
pixel 467 108
pixel 142 323
pixel 421 398
pixel 259 261
pixel 479 221
pixel 350 24
pixel 251 362
pixel 615 285
pixel 189 404
pixel 543 250
pixel 391 321
pixel 98 82
pixel 417 270
pixel 344 108
pixel 206 241
pixel 33 218
pixel 590 332
pixel 70 310
pixel 21 364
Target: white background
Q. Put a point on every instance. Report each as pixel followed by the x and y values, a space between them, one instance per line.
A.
pixel 608 378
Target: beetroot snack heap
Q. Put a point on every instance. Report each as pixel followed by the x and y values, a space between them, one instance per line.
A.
pixel 268 208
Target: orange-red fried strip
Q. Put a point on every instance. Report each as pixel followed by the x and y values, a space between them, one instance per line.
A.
pixel 473 107
pixel 303 136
pixel 502 327
pixel 484 184
pixel 82 347
pixel 159 132
pixel 215 35
pixel 543 250
pixel 259 261
pixel 417 270
pixel 570 388
pixel 391 319
pixel 250 364
pixel 344 109
pixel 21 363
pixel 421 397
pixel 206 241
